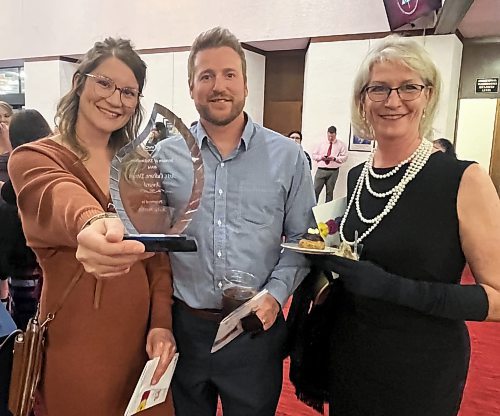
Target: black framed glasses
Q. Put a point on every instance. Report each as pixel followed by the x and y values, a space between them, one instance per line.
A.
pixel 406 92
pixel 105 87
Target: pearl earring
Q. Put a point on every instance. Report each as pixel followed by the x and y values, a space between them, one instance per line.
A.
pixel 367 124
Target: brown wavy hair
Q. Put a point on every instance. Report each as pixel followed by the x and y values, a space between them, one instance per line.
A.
pixel 67 109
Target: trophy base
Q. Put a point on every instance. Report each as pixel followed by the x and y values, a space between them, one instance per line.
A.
pixel 164 242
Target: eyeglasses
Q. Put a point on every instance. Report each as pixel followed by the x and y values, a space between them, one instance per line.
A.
pixel 105 88
pixel 406 92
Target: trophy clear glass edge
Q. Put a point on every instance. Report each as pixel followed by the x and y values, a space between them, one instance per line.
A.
pixel 168 238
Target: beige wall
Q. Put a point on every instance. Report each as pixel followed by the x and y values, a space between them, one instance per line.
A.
pixel 166 83
pixel 45 83
pixel 61 27
pixel 476 121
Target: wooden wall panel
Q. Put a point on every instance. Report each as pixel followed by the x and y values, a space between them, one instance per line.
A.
pixel 495 151
pixel 284 90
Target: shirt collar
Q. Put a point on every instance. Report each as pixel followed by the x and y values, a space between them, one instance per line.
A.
pixel 246 138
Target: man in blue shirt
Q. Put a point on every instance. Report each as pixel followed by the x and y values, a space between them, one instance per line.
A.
pixel 257 189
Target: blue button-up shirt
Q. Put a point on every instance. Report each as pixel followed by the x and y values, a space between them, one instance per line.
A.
pixel 262 191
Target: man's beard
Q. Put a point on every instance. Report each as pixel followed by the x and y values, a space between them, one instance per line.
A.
pixel 207 115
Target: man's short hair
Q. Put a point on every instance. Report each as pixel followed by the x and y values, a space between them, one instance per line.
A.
pixel 332 129
pixel 217 37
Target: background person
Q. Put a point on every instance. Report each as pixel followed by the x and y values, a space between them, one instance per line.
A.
pixel 7 327
pixel 27 126
pixel 445 146
pixel 109 323
pixel 296 136
pixel 5 148
pixel 17 260
pixel 420 216
pixel 6 112
pixel 330 155
pixel 158 133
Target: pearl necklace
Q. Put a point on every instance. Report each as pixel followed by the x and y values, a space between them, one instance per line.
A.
pixel 417 161
pixel 394 170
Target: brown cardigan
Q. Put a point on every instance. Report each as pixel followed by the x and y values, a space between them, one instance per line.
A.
pixel 95 352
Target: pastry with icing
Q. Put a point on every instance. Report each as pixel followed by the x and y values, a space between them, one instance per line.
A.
pixel 312 239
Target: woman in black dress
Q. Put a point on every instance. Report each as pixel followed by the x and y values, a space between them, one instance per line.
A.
pixel 399 344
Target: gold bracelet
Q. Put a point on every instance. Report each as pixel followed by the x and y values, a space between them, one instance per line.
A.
pixel 90 221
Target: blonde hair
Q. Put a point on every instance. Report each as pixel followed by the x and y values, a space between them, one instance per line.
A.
pixel 6 107
pixel 67 109
pixel 215 38
pixel 409 52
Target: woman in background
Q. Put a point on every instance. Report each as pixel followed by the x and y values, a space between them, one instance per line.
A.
pixel 296 136
pixel 158 133
pixel 399 343
pixel 5 148
pixel 445 146
pixel 27 126
pixel 107 327
pixel 17 260
pixel 6 112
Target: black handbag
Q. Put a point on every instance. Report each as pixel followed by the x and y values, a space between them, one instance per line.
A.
pixel 309 326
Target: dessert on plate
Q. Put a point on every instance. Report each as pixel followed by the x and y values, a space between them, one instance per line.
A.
pixel 345 250
pixel 312 239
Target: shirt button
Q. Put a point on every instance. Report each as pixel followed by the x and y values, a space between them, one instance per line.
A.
pixel 219 223
pixel 220 285
pixel 219 254
pixel 222 165
pixel 221 191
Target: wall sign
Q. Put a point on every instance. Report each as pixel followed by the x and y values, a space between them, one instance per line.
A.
pixel 401 12
pixel 486 85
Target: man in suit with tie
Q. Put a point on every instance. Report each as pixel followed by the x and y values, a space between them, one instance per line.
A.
pixel 330 155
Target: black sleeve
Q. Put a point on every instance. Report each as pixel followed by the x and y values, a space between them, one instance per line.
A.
pixel 8 194
pixel 445 300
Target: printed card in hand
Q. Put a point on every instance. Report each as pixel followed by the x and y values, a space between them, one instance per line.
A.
pixel 328 217
pixel 146 395
pixel 230 327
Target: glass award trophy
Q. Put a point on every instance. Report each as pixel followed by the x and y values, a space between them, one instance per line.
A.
pixel 156 186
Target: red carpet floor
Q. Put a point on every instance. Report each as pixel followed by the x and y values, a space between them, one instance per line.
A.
pixel 482 391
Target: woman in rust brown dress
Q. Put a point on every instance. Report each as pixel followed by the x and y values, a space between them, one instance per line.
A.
pixel 106 329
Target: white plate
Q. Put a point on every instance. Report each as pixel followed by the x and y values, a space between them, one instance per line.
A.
pixel 295 247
